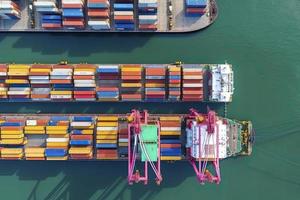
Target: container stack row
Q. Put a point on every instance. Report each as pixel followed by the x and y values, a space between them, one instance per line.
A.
pixel 84 82
pixel 81 143
pixel 50 16
pixel 192 86
pixel 57 143
pixel 40 82
pixel 108 82
pixel 73 14
pixel 107 137
pixel 123 139
pixel 170 148
pixel 195 7
pixel 3 78
pixel 35 131
pixel 174 75
pixel 131 76
pixel 124 15
pixel 147 11
pixel 9 10
pixel 12 137
pixel 98 14
pixel 155 83
pixel 62 83
pixel 18 82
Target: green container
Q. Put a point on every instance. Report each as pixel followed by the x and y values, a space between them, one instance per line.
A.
pixel 149 137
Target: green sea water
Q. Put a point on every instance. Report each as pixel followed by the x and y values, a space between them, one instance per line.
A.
pixel 262 41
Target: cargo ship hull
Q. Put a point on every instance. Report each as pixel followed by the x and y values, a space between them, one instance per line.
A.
pixel 105 137
pixel 171 17
pixel 176 82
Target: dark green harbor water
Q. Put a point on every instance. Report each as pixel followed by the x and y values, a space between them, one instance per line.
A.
pixel 260 38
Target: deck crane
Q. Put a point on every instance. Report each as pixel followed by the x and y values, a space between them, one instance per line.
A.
pixel 204 147
pixel 144 146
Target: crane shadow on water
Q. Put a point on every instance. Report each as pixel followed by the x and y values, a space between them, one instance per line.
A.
pixel 99 180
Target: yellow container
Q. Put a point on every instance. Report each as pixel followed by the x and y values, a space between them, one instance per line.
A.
pixel 13 81
pixel 34 150
pixel 106 137
pixel 11 132
pixel 33 155
pixel 57 158
pixel 16 156
pixel 107 132
pixel 107 118
pixel 34 128
pixel 34 132
pixel 12 141
pixel 18 66
pixel 106 141
pixel 11 151
pixel 170 133
pixel 107 124
pixel 170 118
pixel 154 85
pixel 131 69
pixel 61 92
pixel 12 136
pixel 170 158
pixel 131 85
pixel 87 132
pixel 80 150
pixel 40 70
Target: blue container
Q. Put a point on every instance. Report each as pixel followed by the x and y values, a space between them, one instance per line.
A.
pixel 106 146
pixel 80 142
pixel 83 118
pixel 123 6
pixel 55 152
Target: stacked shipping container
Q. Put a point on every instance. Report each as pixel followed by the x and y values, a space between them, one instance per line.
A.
pixel 19 87
pixel 35 134
pixel 131 76
pixel 123 139
pixel 170 148
pixel 174 83
pixel 84 82
pixel 147 11
pixel 99 14
pixel 108 82
pixel 50 16
pixel 57 143
pixel 61 81
pixel 73 14
pixel 195 7
pixel 106 137
pixel 40 82
pixel 192 88
pixel 9 10
pixel 155 83
pixel 81 143
pixel 124 15
pixel 3 78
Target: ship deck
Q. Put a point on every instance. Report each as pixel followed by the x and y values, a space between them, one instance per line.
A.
pixel 169 20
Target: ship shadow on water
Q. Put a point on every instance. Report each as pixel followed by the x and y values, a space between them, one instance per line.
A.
pixel 99 180
pixel 106 107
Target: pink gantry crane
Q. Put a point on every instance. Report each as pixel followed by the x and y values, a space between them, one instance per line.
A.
pixel 136 121
pixel 204 146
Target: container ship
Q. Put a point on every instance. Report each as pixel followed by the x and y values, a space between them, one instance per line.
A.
pixel 140 138
pixel 106 15
pixel 176 82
